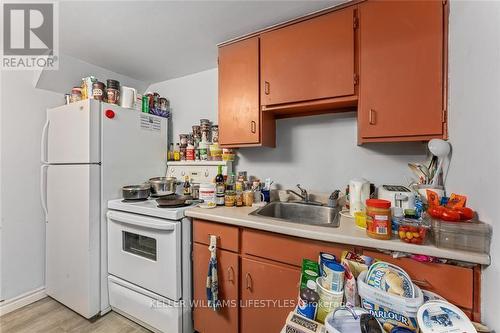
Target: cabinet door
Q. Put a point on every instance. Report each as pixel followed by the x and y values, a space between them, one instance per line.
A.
pixel 401 69
pixel 239 111
pixel 310 60
pixel 268 293
pixel 226 318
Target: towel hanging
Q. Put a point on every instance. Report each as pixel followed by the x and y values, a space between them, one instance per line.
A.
pixel 212 281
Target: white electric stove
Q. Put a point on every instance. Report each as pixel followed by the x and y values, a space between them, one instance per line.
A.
pixel 149 256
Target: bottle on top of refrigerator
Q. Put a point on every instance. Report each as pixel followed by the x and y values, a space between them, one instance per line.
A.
pixel 220 188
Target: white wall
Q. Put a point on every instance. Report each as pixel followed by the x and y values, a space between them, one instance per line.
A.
pixel 474 119
pixel 319 152
pixel 22 224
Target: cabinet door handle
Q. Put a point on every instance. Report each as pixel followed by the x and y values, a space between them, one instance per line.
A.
pixel 253 126
pixel 267 87
pixel 230 274
pixel 248 280
pixel 371 117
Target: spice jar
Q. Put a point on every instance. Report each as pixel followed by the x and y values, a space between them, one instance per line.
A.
pixel 183 139
pixel 215 134
pixel 230 198
pixel 112 91
pixel 76 95
pixel 98 90
pixel 190 153
pixel 378 221
pixel 183 151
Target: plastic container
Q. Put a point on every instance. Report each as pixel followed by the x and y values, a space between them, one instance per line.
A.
pixel 390 310
pixel 342 320
pixel 360 220
pixel 378 222
pixel 467 236
pixel 328 300
pixel 207 193
pixel 413 231
pixel 333 276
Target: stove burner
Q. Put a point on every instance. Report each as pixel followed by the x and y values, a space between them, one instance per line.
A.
pixel 135 200
pixel 174 206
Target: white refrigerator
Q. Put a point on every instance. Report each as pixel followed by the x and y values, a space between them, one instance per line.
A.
pixel 89 151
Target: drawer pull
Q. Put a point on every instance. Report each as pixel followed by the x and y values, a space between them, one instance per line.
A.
pixel 422 283
pixel 253 126
pixel 230 274
pixel 267 87
pixel 372 117
pixel 248 279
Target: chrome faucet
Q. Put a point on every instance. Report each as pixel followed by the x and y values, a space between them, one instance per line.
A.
pixel 305 197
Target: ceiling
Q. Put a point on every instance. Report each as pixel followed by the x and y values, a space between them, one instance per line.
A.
pixel 153 41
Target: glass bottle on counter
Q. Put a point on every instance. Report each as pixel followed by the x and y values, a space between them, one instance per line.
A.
pixel 187 186
pixel 219 187
pixel 177 152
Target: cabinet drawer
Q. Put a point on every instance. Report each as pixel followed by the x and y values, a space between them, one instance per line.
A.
pixel 452 282
pixel 227 236
pixel 286 249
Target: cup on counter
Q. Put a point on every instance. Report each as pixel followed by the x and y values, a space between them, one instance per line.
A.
pixel 258 197
pixel 267 195
pixel 284 195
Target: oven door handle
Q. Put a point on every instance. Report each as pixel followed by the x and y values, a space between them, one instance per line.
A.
pixel 141 221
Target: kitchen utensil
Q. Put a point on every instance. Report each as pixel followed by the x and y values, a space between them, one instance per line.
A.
pixel 162 186
pixel 175 200
pixel 359 191
pixel 419 172
pixel 127 97
pixel 136 192
pixel 440 149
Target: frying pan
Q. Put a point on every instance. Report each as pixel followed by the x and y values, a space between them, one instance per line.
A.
pixel 176 200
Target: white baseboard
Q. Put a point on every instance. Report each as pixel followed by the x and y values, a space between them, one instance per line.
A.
pixel 18 302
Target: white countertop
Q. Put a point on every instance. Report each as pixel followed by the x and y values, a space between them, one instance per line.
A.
pixel 346 233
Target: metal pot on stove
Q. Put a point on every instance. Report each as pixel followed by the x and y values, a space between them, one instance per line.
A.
pixel 161 186
pixel 136 192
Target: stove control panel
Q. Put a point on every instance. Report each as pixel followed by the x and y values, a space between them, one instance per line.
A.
pixel 198 171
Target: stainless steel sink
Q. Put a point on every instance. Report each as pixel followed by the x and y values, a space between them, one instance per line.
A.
pixel 300 213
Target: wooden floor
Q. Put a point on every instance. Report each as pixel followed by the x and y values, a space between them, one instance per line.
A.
pixel 47 315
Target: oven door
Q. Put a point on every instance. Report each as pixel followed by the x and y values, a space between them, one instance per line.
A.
pixel 146 251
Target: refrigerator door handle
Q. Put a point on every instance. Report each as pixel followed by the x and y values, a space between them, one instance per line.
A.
pixel 43 148
pixel 43 190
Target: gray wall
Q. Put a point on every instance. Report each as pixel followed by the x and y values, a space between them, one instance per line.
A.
pixel 22 238
pixel 321 152
pixel 474 119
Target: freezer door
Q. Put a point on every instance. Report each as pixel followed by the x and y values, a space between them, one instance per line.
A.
pixel 72 237
pixel 72 134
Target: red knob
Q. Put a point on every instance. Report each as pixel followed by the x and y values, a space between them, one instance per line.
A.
pixel 110 114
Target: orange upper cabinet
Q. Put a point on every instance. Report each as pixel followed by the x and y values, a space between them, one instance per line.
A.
pixel 311 60
pixel 240 121
pixel 401 71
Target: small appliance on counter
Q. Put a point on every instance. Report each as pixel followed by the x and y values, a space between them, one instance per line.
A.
pixel 359 192
pixel 398 195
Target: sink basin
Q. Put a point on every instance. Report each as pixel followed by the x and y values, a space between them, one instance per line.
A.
pixel 300 213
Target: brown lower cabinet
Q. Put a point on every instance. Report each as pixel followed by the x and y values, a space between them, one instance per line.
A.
pixel 259 275
pixel 268 293
pixel 225 319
